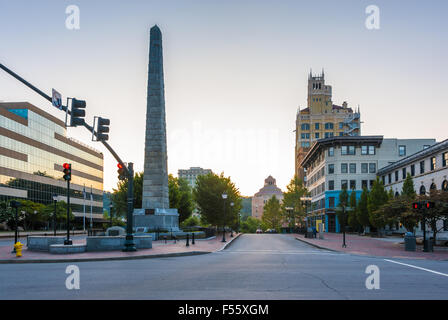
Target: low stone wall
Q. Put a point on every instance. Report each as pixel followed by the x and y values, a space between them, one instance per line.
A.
pixel 41 243
pixel 182 235
pixel 116 243
pixel 66 249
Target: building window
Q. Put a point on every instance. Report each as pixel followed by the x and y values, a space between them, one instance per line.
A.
pixel 401 151
pixel 352 184
pixel 316 126
pixel 371 149
pixel 364 150
pixel 330 168
pixel 305 126
pixel 444 185
pixel 305 144
pixel 328 134
pixel 396 176
pixel 364 184
pixel 432 187
pixel 389 178
pixel 371 183
pixel 444 159
pixel 372 167
pixel 412 170
pixel 422 167
pixel 343 168
pixel 404 173
pixel 343 184
pixel 347 150
pixel 316 135
pixel 352 167
pixel 341 125
pixel 383 179
pixel 331 151
pixel 422 190
pixel 433 163
pixel 329 125
pixel 331 185
pixel 364 168
pixel 331 202
pixel 341 134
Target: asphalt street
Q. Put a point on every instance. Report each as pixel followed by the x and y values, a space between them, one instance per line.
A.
pixel 254 266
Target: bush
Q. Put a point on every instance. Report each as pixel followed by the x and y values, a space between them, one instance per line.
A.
pixel 192 221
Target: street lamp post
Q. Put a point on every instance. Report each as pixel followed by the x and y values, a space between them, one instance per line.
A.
pixel 231 229
pixel 290 210
pixel 55 200
pixel 16 205
pixel 224 196
pixel 110 213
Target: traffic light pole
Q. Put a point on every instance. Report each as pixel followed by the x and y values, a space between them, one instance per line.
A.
pixel 129 244
pixel 129 170
pixel 68 241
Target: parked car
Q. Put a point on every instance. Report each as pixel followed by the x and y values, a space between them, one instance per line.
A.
pixel 259 231
pixel 271 231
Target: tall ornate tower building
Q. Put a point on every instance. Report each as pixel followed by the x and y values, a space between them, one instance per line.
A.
pixel 322 119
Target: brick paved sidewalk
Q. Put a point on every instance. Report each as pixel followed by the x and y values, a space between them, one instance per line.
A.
pixel 365 245
pixel 159 249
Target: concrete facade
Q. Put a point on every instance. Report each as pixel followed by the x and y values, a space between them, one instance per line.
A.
pixel 351 161
pixel 261 197
pixel 428 169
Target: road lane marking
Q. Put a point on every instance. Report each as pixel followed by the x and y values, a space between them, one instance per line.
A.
pixel 420 268
pixel 277 252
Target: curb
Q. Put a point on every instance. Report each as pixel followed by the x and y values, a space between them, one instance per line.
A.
pixel 368 255
pixel 228 243
pixel 148 256
pixel 317 246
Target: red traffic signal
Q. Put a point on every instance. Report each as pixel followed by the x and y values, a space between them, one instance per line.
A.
pixel 67 171
pixel 429 205
pixel 121 172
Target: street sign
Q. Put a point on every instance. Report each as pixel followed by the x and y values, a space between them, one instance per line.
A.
pixel 56 99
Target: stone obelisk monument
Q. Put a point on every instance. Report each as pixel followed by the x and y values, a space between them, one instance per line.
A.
pixel 156 212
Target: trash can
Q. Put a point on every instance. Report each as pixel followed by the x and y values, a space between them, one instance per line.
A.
pixel 409 242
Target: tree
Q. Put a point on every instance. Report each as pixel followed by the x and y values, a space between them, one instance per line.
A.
pixel 213 208
pixel 272 214
pixel 192 221
pixel 61 212
pixel 439 212
pixel 352 214
pixel 119 195
pixel 362 212
pixel 291 199
pixel 7 214
pixel 408 187
pixel 250 225
pixel 378 197
pixel 185 206
pixel 342 210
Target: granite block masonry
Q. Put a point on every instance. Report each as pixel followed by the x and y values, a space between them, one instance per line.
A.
pixel 156 211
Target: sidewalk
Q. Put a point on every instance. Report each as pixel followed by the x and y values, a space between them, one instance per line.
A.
pixel 159 249
pixel 365 245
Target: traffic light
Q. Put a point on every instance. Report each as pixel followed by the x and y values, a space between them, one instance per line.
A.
pixel 121 172
pixel 416 205
pixel 103 128
pixel 429 205
pixel 67 171
pixel 78 113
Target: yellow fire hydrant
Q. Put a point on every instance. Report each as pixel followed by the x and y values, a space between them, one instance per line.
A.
pixel 18 246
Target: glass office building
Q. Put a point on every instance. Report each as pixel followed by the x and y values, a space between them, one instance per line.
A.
pixel 33 147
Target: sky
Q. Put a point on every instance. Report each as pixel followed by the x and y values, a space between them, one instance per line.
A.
pixel 235 73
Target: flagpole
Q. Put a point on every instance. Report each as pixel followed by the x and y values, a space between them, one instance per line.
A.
pixel 91 200
pixel 84 207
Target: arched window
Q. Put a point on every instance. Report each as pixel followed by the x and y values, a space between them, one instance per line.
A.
pixel 445 185
pixel 422 190
pixel 396 194
pixel 433 187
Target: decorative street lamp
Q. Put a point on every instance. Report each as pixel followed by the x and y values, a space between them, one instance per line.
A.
pixel 110 213
pixel 224 196
pixel 55 200
pixel 16 205
pixel 290 211
pixel 231 229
